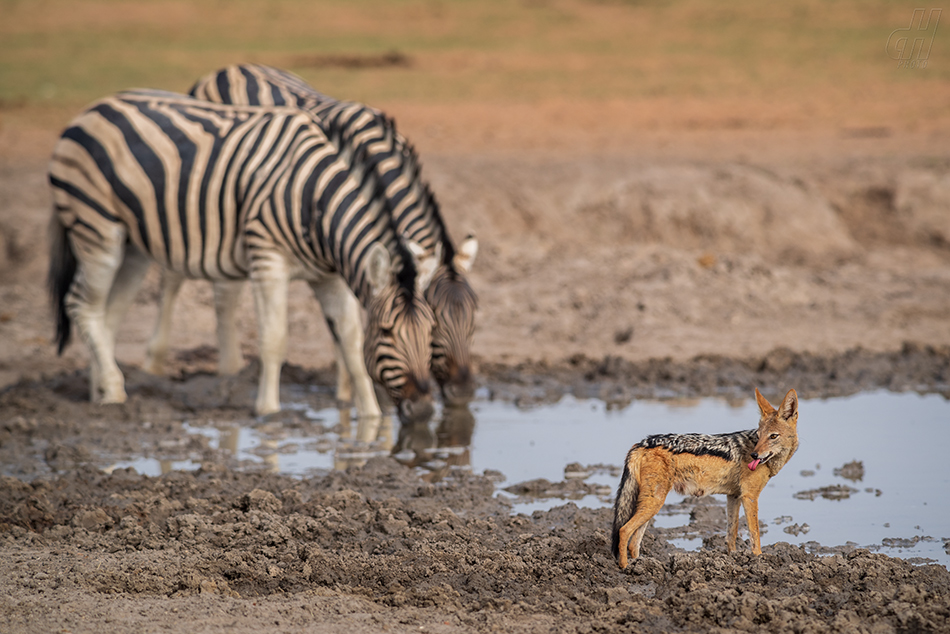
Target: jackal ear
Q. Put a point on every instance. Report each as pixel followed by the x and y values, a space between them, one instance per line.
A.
pixel 378 267
pixel 465 254
pixel 426 264
pixel 789 407
pixel 765 408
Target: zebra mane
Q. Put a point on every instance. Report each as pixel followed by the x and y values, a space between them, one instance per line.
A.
pixel 429 200
pixel 407 273
pixel 448 247
pixel 406 276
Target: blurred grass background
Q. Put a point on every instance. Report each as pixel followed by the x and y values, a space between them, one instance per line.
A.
pixel 828 57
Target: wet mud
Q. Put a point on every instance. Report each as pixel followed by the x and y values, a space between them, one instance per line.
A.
pixel 381 546
pixel 618 381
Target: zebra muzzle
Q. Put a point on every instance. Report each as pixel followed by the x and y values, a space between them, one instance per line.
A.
pixel 460 388
pixel 419 409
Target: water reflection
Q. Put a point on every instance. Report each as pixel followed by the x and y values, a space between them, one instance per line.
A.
pixel 415 439
pixel 371 437
pixel 441 450
pixel 229 438
pixel 455 432
pixel 842 485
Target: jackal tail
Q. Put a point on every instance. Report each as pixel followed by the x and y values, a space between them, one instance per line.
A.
pixel 62 270
pixel 625 505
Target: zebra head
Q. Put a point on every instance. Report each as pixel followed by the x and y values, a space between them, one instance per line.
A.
pixel 398 348
pixel 454 303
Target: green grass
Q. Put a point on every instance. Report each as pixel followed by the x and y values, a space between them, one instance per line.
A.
pixel 64 53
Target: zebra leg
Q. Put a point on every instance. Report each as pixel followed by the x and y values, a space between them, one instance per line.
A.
pixel 344 316
pixel 344 380
pixel 227 296
pixel 158 345
pixel 86 304
pixel 270 281
pixel 126 284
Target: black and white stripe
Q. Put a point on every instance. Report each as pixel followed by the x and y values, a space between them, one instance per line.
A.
pixel 732 446
pixel 225 193
pixel 366 130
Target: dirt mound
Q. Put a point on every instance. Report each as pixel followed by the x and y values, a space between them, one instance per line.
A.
pixel 779 215
pixel 906 206
pixel 567 204
pixel 722 209
pixel 24 214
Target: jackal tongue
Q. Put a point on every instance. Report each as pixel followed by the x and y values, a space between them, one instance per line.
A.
pixel 754 464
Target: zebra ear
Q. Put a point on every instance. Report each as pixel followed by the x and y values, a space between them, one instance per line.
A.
pixel 426 264
pixel 378 267
pixel 465 254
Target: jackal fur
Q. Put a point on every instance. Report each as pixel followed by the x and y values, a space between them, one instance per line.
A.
pixel 739 465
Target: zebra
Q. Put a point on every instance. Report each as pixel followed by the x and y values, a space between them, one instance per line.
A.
pixel 416 211
pixel 225 193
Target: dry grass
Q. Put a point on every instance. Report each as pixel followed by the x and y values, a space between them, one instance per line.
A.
pixel 695 62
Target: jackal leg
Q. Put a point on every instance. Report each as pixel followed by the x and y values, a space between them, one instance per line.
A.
pixel 653 489
pixel 750 503
pixel 732 520
pixel 751 487
pixel 631 533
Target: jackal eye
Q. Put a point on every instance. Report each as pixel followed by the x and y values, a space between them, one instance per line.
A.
pixel 773 436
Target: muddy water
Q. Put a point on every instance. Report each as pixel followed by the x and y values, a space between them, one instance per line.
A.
pixel 870 471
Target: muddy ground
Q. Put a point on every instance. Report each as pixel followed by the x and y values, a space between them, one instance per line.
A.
pixel 613 264
pixel 381 547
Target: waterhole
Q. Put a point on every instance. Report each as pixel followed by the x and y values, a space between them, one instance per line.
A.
pixel 871 471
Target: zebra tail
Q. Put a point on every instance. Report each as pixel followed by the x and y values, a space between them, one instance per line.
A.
pixel 626 504
pixel 62 270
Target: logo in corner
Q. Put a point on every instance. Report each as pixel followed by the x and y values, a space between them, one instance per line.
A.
pixel 911 45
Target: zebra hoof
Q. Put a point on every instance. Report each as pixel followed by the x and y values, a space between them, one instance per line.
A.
pixel 113 399
pixel 266 409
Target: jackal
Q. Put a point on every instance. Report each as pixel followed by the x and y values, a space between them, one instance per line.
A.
pixel 701 464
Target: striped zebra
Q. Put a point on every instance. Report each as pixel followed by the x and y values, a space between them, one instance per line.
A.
pixel 363 130
pixel 228 193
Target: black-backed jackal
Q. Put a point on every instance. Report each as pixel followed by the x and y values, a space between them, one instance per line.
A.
pixel 739 464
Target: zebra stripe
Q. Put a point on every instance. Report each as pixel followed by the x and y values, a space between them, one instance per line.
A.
pixel 414 206
pixel 223 193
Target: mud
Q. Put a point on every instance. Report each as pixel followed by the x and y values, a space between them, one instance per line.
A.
pixel 619 381
pixel 383 547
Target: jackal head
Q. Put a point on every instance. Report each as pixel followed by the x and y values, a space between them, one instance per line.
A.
pixel 778 432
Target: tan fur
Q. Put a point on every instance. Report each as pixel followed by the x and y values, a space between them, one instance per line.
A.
pixel 651 473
